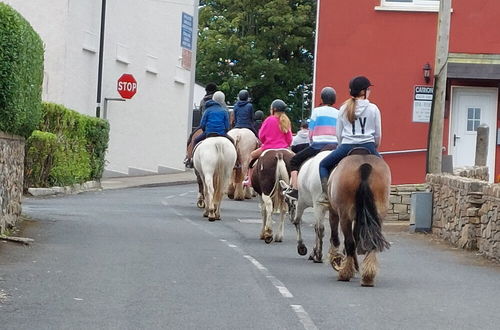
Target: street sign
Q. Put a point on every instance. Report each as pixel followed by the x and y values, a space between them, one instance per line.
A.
pixel 422 103
pixel 127 86
pixel 187 31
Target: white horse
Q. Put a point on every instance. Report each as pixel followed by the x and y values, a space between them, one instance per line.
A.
pixel 246 142
pixel 309 185
pixel 213 159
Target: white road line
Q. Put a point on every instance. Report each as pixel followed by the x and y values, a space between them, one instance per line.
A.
pixel 280 286
pixel 277 283
pixel 231 245
pixel 171 196
pixel 184 194
pixel 304 318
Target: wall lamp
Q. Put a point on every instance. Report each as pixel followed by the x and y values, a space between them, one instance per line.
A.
pixel 427 72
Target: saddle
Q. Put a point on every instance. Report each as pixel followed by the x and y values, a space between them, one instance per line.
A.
pixel 359 151
pixel 254 161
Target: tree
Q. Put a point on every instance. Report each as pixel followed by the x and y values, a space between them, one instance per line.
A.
pixel 265 46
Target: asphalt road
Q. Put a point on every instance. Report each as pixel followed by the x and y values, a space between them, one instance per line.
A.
pixel 146 259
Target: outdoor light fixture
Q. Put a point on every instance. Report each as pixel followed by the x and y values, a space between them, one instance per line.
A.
pixel 427 72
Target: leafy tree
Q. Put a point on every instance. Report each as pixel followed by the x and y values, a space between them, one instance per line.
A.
pixel 265 46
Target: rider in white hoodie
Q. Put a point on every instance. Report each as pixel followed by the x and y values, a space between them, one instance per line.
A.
pixel 358 125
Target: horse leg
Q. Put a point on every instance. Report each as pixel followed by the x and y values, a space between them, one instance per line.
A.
pixel 297 221
pixel 209 197
pixel 319 228
pixel 232 183
pixel 268 220
pixel 281 227
pixel 334 256
pixel 369 269
pixel 264 215
pixel 350 263
pixel 201 197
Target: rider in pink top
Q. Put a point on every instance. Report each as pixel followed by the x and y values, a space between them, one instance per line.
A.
pixel 271 135
pixel 275 133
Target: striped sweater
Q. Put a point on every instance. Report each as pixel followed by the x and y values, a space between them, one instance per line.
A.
pixel 322 126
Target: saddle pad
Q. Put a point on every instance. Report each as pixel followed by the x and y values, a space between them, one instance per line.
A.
pixel 282 149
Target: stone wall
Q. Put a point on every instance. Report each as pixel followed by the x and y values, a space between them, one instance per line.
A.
pixel 400 200
pixel 465 212
pixel 472 172
pixel 11 179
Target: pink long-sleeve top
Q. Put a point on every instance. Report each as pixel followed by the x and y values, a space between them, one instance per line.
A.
pixel 271 136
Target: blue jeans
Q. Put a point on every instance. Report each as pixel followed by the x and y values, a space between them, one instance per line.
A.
pixel 330 161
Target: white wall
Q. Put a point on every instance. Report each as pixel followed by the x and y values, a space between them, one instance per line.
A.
pixel 149 131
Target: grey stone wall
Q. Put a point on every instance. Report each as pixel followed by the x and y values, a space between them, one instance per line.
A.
pixel 465 212
pixel 400 200
pixel 11 179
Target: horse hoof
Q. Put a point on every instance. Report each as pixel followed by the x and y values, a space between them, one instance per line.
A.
pixel 343 279
pixel 311 257
pixel 230 196
pixel 200 204
pixel 268 239
pixel 317 261
pixel 211 219
pixel 302 250
pixel 367 284
pixel 337 264
pixel 278 240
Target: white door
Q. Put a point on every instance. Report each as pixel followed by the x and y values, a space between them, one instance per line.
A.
pixel 471 108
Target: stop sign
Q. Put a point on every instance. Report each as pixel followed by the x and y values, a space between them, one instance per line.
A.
pixel 127 86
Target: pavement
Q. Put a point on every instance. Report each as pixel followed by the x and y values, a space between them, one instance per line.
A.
pixel 158 180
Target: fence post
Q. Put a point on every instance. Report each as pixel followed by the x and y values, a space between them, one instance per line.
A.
pixel 482 145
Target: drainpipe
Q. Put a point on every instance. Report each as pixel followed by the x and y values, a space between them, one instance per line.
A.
pixel 101 52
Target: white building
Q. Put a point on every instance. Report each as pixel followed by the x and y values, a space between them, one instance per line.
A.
pixel 142 38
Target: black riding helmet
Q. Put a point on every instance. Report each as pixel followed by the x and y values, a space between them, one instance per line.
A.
pixel 279 106
pixel 259 114
pixel 358 84
pixel 328 96
pixel 243 95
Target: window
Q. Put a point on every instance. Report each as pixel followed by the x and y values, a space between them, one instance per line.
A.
pixel 409 5
pixel 473 119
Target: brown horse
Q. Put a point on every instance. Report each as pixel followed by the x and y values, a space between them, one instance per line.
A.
pixel 272 166
pixel 358 191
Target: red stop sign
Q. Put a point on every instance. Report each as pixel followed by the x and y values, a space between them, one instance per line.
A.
pixel 127 86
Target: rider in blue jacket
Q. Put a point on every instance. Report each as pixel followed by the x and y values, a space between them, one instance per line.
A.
pixel 215 120
pixel 243 112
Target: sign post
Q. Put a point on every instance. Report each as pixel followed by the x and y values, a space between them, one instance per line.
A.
pixel 127 86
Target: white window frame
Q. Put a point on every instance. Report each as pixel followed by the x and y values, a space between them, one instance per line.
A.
pixel 415 5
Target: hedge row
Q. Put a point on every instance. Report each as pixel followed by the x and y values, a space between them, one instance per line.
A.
pixel 68 148
pixel 21 73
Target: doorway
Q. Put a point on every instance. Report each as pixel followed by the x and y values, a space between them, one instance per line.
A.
pixel 471 107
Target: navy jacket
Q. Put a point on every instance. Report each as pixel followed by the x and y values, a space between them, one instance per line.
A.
pixel 215 119
pixel 243 115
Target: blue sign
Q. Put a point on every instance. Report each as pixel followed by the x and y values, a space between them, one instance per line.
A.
pixel 187 31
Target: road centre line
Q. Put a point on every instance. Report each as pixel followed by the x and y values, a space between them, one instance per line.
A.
pixel 277 283
pixel 304 318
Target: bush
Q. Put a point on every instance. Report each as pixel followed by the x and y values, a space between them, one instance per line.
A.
pixel 21 73
pixel 81 146
pixel 41 147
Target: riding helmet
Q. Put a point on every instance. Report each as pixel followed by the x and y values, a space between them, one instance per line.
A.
pixel 243 95
pixel 279 106
pixel 328 96
pixel 358 84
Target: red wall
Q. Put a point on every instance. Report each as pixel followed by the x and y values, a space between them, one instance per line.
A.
pixel 474 27
pixel 390 48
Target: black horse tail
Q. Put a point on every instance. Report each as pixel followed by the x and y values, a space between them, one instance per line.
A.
pixel 368 225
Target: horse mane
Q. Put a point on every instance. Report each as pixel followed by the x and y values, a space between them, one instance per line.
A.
pixel 368 225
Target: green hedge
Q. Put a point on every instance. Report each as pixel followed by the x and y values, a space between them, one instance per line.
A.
pixel 21 73
pixel 81 143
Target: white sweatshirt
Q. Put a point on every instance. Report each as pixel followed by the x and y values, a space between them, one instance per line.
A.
pixel 367 126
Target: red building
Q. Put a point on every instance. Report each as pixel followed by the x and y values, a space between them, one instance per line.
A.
pixel 390 42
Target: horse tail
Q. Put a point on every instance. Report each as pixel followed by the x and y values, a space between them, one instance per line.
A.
pixel 219 172
pixel 280 174
pixel 368 225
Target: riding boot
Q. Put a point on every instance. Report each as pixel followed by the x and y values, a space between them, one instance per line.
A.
pixel 248 180
pixel 323 199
